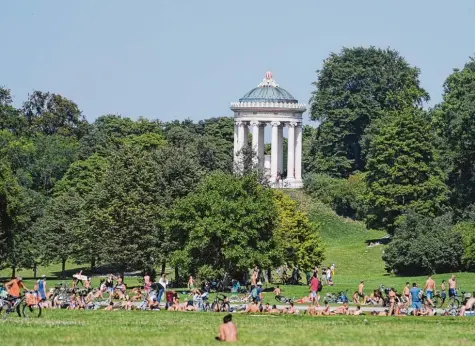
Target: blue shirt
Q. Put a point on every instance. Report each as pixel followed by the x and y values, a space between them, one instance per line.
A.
pixel 414 292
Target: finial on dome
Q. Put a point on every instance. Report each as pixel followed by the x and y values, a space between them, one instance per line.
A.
pixel 268 81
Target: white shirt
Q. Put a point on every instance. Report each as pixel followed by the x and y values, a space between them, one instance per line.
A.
pixel 164 282
pixel 328 272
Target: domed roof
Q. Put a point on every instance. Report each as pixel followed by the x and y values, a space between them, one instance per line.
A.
pixel 268 91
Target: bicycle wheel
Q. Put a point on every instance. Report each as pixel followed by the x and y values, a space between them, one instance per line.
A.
pixel 437 301
pixel 453 304
pixel 4 310
pixel 31 311
pixel 281 299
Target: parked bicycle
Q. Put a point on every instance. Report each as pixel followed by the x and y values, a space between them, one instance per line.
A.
pixel 27 305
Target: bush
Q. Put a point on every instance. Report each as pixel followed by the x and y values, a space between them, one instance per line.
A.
pixel 423 245
pixel 466 230
pixel 343 195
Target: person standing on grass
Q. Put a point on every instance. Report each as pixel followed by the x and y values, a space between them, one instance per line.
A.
pixel 314 286
pixel 163 282
pixel 329 277
pixel 406 293
pixel 443 292
pixel 324 276
pixel 415 294
pixel 360 291
pixel 40 288
pixel 430 288
pixel 452 284
pixel 391 299
pixel 333 269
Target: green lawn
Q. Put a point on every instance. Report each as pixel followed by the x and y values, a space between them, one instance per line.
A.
pixel 60 327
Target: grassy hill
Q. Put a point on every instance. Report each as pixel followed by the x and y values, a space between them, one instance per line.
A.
pixel 346 244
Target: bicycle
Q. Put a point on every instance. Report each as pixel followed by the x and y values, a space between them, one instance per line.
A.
pixel 219 304
pixel 284 300
pixel 27 304
pixel 31 305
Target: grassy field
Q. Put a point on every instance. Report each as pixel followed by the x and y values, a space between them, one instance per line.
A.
pixel 60 327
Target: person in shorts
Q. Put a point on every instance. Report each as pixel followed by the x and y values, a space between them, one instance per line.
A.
pixel 443 292
pixel 314 286
pixel 415 294
pixel 452 286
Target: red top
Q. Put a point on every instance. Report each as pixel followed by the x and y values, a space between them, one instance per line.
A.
pixel 314 284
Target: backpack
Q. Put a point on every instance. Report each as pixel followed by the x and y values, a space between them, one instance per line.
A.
pixel 254 293
pixel 319 286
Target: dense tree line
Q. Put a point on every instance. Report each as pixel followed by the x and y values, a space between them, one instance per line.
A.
pixel 379 156
pixel 136 195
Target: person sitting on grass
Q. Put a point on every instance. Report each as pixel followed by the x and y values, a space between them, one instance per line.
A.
pixel 138 294
pixel 190 306
pixel 274 310
pixel 468 306
pixel 227 331
pixel 291 309
pixel 277 291
pixel 154 305
pixel 327 311
pixel 311 310
pixel 266 308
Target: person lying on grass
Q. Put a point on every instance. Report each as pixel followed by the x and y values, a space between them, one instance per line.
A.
pixel 227 331
pixel 252 308
pixel 344 309
pixel 109 307
pixel 327 311
pixel 304 300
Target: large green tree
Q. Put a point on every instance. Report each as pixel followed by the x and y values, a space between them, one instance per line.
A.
pixel 402 170
pixel 354 88
pixel 225 225
pixel 297 238
pixel 453 121
pixel 424 245
pixel 50 114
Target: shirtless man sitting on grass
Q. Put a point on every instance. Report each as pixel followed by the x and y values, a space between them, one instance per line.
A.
pixel 227 331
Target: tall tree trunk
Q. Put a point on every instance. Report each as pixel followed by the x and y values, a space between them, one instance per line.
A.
pixel 269 276
pixel 123 270
pixel 14 271
pixel 176 276
pixel 35 268
pixel 63 267
pixel 93 264
pixel 163 268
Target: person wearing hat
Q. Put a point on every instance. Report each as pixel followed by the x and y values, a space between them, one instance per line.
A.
pixel 13 287
pixel 40 288
pixel 259 293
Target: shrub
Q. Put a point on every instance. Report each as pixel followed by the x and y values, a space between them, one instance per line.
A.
pixel 423 245
pixel 343 195
pixel 466 230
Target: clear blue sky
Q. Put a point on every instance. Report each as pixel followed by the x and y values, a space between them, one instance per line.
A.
pixel 190 59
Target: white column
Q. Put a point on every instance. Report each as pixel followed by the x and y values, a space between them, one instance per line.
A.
pixel 280 150
pixel 255 141
pixel 298 152
pixel 235 143
pixel 240 144
pixel 291 143
pixel 261 145
pixel 274 150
